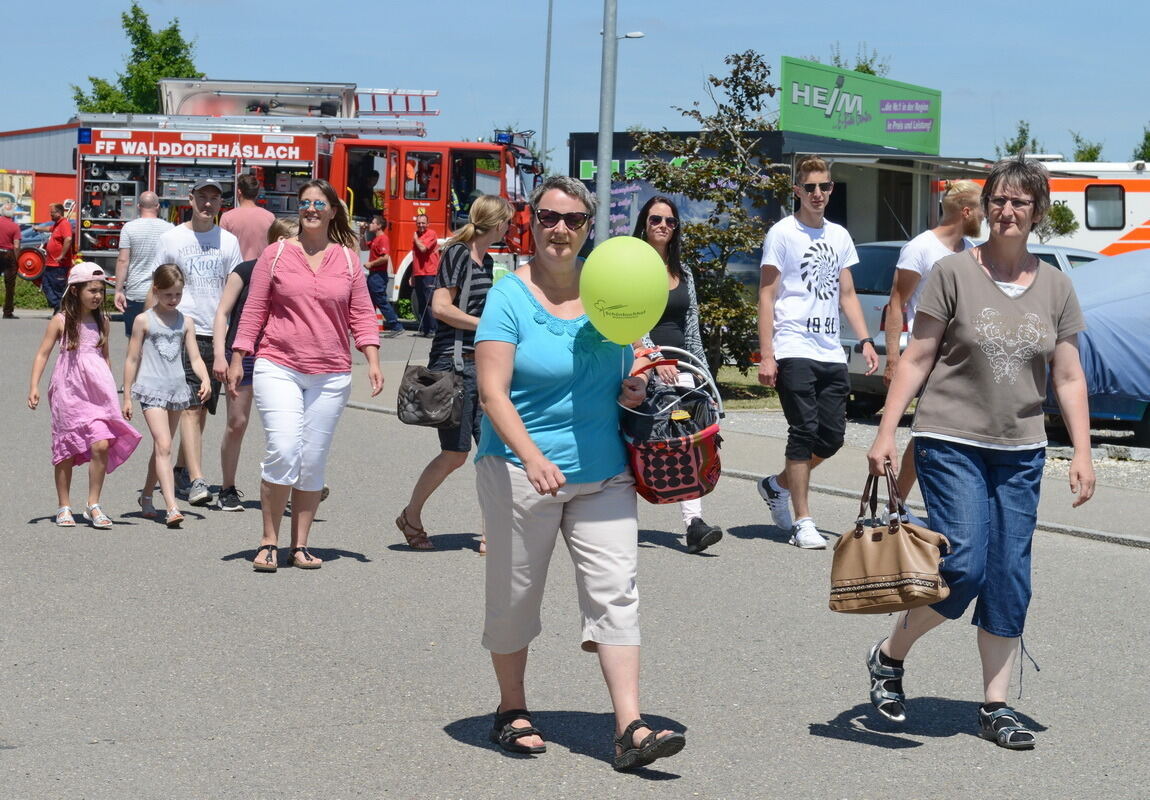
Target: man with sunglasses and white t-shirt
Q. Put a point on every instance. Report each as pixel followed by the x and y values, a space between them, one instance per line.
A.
pixel 804 280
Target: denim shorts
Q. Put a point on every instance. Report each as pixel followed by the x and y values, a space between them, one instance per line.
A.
pixel 207 353
pixel 459 439
pixel 986 503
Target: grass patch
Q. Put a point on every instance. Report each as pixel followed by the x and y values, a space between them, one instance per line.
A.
pixel 743 391
pixel 31 296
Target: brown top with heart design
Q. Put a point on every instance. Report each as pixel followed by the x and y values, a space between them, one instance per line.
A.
pixel 989 382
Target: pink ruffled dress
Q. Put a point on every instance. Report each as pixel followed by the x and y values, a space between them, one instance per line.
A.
pixel 85 405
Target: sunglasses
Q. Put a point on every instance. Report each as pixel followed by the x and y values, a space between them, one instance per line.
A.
pixel 657 219
pixel 318 205
pixel 574 220
pixel 823 187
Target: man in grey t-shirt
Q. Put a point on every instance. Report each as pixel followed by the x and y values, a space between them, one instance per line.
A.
pixel 136 260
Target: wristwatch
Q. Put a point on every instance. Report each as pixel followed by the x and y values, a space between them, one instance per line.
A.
pixel 865 341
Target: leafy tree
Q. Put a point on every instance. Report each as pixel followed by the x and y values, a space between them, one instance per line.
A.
pixel 155 55
pixel 720 167
pixel 1022 142
pixel 867 63
pixel 1084 149
pixel 1142 151
pixel 1059 221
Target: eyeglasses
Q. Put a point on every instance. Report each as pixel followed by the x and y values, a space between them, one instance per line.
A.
pixel 318 205
pixel 574 220
pixel 657 219
pixel 1017 203
pixel 823 187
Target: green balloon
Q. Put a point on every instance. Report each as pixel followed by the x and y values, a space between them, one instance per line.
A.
pixel 624 288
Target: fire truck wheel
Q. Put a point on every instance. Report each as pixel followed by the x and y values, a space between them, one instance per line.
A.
pixel 30 263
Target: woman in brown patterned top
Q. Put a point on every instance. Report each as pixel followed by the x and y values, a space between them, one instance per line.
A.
pixel 991 320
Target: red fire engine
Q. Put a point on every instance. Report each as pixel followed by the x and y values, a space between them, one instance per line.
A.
pixel 286 134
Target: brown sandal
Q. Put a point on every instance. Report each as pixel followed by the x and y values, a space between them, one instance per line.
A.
pixel 417 540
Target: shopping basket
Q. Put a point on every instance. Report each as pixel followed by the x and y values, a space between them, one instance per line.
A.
pixel 672 437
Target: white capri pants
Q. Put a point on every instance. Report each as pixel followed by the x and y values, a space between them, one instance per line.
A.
pixel 299 414
pixel 599 524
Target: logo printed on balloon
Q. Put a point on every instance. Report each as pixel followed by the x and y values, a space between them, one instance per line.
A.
pixel 612 311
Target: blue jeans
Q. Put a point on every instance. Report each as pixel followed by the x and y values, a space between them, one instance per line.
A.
pixel 424 286
pixel 133 309
pixel 986 503
pixel 53 283
pixel 377 283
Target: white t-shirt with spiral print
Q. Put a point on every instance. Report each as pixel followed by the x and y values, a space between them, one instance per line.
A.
pixel 810 261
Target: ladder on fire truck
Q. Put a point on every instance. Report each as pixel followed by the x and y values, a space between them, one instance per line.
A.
pixel 395 102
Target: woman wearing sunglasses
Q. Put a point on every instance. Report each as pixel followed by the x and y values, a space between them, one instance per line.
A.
pixel 305 294
pixel 991 322
pixel 658 226
pixel 550 461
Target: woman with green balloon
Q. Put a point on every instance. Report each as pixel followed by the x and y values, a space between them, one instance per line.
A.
pixel 551 460
pixel 658 226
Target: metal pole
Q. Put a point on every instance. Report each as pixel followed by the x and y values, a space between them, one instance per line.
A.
pixel 547 83
pixel 606 124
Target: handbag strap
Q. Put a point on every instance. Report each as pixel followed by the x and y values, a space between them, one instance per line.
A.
pixel 461 302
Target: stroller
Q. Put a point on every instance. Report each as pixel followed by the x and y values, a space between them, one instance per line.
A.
pixel 672 437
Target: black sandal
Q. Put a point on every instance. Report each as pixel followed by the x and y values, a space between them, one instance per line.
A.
pixel 1009 732
pixel 309 561
pixel 650 749
pixel 268 564
pixel 507 736
pixel 892 705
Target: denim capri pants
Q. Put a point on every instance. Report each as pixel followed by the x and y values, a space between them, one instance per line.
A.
pixel 985 501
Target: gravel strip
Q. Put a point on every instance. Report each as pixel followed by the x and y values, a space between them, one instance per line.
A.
pixel 1116 462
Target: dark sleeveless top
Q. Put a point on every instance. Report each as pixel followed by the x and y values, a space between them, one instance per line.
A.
pixel 670 331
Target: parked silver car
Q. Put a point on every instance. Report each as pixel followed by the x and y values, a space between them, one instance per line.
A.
pixel 873 276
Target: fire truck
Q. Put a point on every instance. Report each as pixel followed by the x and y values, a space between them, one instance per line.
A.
pixel 365 142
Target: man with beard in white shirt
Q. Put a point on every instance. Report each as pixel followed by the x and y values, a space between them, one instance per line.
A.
pixel 961 218
pixel 804 280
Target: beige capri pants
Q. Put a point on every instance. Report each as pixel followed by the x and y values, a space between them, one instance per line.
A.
pixel 599 523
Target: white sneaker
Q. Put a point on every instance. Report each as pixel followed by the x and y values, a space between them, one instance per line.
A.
pixel 778 500
pixel 807 536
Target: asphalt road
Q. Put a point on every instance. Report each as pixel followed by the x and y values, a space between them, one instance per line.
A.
pixel 144 663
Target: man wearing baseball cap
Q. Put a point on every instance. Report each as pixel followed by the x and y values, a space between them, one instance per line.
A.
pixel 206 253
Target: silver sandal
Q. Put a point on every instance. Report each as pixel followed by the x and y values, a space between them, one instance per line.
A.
pixel 891 705
pixel 97 517
pixel 1013 735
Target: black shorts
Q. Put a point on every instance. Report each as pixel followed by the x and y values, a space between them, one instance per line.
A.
pixel 813 395
pixel 458 440
pixel 207 353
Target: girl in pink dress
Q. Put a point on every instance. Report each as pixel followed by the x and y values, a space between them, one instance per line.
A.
pixel 87 426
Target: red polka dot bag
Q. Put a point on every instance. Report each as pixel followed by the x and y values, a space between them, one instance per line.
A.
pixel 672 437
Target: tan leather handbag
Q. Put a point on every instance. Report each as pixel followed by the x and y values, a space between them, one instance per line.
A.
pixel 885 565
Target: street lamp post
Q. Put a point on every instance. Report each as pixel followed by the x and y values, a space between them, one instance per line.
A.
pixel 607 121
pixel 547 81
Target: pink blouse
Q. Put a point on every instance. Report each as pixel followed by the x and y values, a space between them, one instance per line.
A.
pixel 304 316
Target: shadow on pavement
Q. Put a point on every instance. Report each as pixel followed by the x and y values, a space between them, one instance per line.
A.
pixel 769 532
pixel 447 542
pixel 934 717
pixel 323 553
pixel 582 732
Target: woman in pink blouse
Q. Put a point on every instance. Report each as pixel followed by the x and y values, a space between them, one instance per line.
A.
pixel 306 293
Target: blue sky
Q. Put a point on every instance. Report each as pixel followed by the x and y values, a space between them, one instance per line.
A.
pixel 1062 66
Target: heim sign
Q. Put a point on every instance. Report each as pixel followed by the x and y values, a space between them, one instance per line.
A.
pixel 844 104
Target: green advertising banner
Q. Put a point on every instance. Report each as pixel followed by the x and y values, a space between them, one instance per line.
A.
pixel 844 104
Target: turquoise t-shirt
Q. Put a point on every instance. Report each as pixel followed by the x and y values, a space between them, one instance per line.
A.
pixel 565 384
